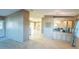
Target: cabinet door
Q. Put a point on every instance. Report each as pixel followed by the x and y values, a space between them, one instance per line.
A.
pixel 69 24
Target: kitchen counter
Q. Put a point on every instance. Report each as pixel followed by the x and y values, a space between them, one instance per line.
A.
pixel 62 36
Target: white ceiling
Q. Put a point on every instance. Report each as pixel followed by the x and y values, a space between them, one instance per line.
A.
pixel 42 12
pixel 5 12
pixel 54 12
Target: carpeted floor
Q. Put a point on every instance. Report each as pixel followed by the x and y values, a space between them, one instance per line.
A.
pixel 35 44
pixel 10 44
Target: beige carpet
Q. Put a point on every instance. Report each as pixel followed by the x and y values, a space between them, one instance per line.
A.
pixel 38 41
pixel 47 44
pixel 35 44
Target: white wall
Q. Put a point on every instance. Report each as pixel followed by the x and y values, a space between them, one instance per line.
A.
pixel 47 31
pixel 77 30
pixel 2 30
pixel 14 27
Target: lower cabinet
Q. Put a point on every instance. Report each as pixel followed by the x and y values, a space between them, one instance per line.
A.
pixel 62 36
pixel 58 36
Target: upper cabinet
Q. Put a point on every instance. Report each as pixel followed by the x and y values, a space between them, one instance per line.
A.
pixel 59 23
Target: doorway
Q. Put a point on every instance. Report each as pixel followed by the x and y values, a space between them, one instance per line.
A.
pixel 35 29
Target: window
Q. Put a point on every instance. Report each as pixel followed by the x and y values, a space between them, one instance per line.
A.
pixel 1 25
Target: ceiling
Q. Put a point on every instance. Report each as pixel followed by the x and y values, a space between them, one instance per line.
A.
pixel 42 12
pixel 54 12
pixel 6 12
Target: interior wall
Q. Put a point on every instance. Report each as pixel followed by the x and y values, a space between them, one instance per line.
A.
pixel 47 27
pixel 25 15
pixel 77 32
pixel 2 29
pixel 14 27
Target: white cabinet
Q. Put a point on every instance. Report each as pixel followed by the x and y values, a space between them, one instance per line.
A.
pixel 62 36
